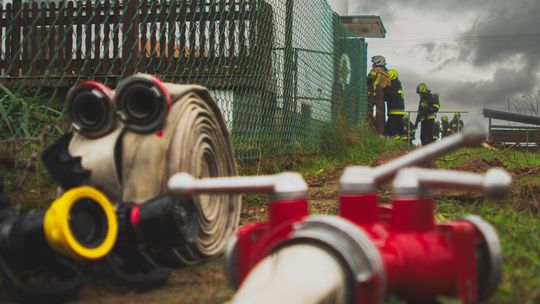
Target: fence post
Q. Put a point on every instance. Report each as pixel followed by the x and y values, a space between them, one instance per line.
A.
pixel 16 37
pixel 288 73
pixel 336 107
pixel 297 127
pixel 130 30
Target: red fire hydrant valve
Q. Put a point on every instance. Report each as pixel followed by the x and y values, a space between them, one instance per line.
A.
pixel 377 249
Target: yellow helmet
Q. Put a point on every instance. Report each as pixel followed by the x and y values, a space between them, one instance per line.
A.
pixel 421 88
pixel 457 115
pixel 393 74
pixel 444 118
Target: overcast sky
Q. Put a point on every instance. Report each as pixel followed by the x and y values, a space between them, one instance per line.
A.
pixel 474 53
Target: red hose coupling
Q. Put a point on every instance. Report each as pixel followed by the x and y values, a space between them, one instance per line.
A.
pixel 143 103
pixel 90 109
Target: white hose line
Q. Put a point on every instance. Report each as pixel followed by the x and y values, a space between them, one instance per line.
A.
pixel 300 273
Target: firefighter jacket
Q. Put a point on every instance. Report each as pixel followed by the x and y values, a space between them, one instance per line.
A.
pixel 393 94
pixel 377 79
pixel 456 125
pixel 427 107
pixel 445 125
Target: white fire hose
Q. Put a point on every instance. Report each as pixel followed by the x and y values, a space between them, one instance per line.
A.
pixel 130 166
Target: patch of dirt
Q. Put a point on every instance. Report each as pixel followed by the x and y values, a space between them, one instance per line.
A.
pixel 525 195
pixel 326 177
pixel 200 284
pixel 386 157
pixel 527 170
pixel 525 191
pixel 391 155
pixel 479 165
pixel 326 192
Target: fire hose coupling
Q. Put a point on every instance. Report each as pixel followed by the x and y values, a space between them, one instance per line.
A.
pixel 495 183
pixel 161 223
pixel 356 180
pixel 283 186
pixel 146 231
pixel 81 224
pixel 490 259
pixel 143 103
pixel 90 109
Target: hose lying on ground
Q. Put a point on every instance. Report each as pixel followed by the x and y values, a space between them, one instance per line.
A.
pixel 132 164
pixel 301 273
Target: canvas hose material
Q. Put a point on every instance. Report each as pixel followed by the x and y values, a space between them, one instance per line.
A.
pixel 301 273
pixel 134 167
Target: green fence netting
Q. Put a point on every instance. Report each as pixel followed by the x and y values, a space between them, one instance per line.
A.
pixel 280 70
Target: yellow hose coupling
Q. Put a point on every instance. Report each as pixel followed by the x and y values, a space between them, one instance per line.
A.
pixel 81 224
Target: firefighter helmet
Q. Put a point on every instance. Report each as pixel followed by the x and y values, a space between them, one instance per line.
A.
pixel 378 60
pixel 421 88
pixel 444 118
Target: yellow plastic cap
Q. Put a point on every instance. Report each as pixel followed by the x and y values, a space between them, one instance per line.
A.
pixel 81 224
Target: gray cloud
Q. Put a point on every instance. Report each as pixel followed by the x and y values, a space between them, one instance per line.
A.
pixel 507 41
pixel 429 6
pixel 501 32
pixel 503 37
pixel 505 82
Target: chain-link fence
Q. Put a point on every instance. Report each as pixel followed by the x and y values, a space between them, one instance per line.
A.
pixel 281 70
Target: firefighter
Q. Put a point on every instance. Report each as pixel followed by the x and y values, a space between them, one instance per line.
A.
pixel 409 131
pixel 456 125
pixel 445 126
pixel 377 80
pixel 428 106
pixel 393 94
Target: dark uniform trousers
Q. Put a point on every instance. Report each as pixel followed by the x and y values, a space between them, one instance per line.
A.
pixel 426 132
pixel 394 126
pixel 377 122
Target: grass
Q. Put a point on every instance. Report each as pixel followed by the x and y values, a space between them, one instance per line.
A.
pixel 358 146
pixel 25 114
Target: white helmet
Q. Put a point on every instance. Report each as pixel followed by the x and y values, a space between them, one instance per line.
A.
pixel 378 60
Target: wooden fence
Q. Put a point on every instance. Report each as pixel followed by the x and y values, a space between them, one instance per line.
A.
pixel 219 42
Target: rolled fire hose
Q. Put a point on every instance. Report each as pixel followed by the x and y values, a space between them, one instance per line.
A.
pixel 131 166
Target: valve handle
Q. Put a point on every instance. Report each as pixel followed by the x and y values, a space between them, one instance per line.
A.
pixel 288 183
pixel 359 179
pixel 495 183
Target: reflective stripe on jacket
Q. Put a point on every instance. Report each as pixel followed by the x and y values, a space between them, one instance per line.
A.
pixel 377 77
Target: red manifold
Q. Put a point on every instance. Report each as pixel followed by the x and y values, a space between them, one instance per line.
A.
pixel 394 249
